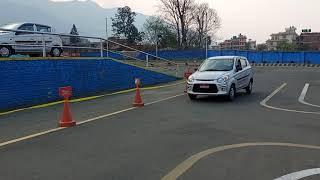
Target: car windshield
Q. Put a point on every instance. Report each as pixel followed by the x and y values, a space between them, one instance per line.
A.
pixel 217 65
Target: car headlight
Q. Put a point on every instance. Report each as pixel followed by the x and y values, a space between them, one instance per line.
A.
pixel 223 79
pixel 190 79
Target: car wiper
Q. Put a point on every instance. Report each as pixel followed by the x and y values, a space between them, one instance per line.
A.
pixel 216 70
pixel 210 70
pixel 224 70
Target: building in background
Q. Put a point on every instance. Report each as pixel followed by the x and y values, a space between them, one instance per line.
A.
pixel 251 45
pixel 238 43
pixel 289 36
pixel 309 41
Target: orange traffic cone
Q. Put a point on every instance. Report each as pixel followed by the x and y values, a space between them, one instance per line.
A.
pixel 138 100
pixel 66 119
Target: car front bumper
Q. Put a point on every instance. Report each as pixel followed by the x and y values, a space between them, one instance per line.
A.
pixel 215 89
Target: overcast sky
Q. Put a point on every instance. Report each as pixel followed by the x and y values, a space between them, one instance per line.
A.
pixel 255 18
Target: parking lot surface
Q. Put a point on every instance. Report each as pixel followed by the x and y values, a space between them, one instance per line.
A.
pixel 173 137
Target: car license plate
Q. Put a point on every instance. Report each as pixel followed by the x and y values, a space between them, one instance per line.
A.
pixel 204 86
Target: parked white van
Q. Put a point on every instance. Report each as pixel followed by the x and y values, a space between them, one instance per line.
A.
pixel 13 42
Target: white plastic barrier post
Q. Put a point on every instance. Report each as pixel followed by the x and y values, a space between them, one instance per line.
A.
pixel 101 48
pixel 107 48
pixel 147 60
pixel 177 69
pixel 43 46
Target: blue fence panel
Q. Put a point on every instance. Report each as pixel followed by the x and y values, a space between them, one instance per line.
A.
pixel 113 55
pixel 272 57
pixel 312 57
pixel 254 56
pixel 26 83
pixel 292 57
pixel 228 53
pixel 141 56
pixel 242 53
pixel 213 53
pixel 90 54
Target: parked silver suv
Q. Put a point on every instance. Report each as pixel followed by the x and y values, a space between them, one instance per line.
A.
pixel 22 42
pixel 223 75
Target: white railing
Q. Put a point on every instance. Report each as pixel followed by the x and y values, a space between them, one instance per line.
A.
pixel 44 46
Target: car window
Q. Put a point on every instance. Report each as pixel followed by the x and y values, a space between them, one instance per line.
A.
pixel 238 63
pixel 41 28
pixel 243 63
pixel 217 65
pixel 25 27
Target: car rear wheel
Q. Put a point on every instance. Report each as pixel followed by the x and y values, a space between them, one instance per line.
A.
pixel 56 52
pixel 249 87
pixel 192 96
pixel 6 51
pixel 232 93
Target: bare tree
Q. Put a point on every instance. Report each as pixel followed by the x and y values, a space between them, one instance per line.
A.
pixel 206 22
pixel 178 13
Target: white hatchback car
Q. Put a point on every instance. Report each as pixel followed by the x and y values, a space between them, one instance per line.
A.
pixel 223 75
pixel 13 42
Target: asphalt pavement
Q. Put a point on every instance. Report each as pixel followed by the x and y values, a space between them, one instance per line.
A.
pixel 151 142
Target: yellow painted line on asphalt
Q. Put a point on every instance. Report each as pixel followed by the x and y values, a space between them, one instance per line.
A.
pixel 264 103
pixel 83 122
pixel 188 163
pixel 90 98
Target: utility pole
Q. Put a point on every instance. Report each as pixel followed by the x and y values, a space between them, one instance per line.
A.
pixel 107 41
pixel 206 35
pixel 157 39
pixel 107 28
pixel 206 46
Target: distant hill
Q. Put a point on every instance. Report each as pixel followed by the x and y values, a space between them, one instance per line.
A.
pixel 88 16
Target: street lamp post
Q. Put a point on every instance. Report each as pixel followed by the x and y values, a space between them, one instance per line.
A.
pixel 206 46
pixel 157 44
pixel 107 37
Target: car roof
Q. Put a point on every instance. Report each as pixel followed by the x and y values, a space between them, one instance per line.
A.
pixel 225 57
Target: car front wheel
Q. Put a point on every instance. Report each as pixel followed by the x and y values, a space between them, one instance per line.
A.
pixel 249 87
pixel 232 93
pixel 56 52
pixel 5 51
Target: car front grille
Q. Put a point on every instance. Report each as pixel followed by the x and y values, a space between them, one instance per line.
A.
pixel 212 88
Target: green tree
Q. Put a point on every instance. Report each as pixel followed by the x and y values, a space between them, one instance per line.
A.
pixel 178 13
pixel 262 47
pixel 122 25
pixel 158 32
pixel 74 31
pixel 206 23
pixel 285 46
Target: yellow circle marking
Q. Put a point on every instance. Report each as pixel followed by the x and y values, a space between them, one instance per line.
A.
pixel 188 163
